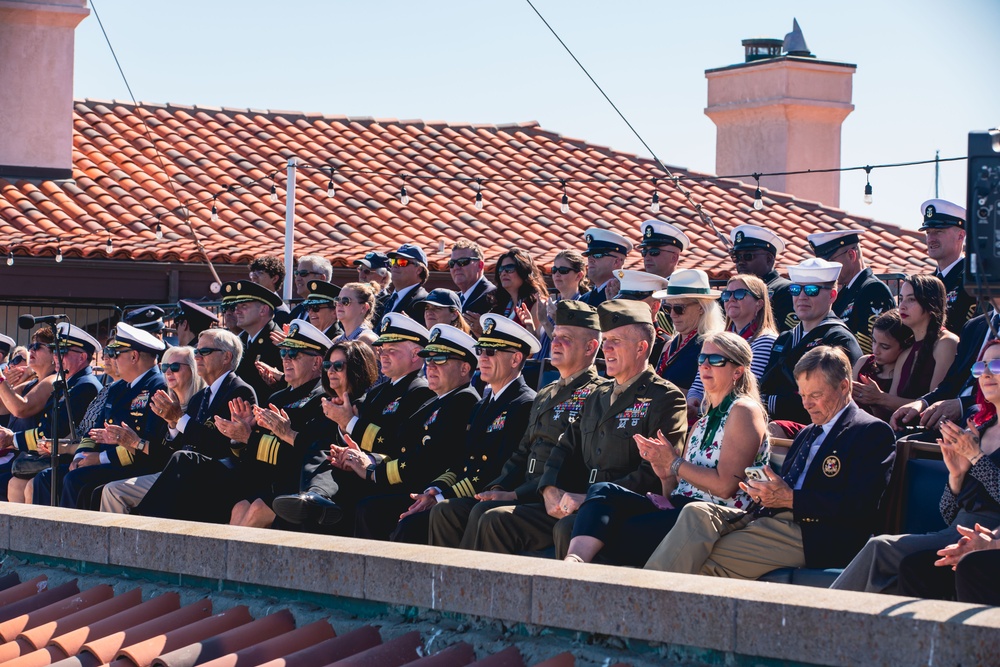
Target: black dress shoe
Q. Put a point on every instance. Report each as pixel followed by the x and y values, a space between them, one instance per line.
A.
pixel 307 508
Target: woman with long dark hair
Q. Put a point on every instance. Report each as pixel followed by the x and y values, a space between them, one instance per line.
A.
pixel 923 308
pixel 521 288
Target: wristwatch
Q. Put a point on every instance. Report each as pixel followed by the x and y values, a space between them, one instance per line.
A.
pixel 370 472
pixel 142 446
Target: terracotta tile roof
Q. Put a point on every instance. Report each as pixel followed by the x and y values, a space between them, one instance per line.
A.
pixel 42 626
pixel 119 185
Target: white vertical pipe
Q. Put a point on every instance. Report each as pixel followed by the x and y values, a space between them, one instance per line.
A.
pixel 290 228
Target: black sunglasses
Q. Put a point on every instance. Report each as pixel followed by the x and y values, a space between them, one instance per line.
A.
pixel 439 359
pixel 738 294
pixel 563 270
pixel 743 256
pixel 714 360
pixel 344 300
pixel 810 290
pixel 599 255
pixel 291 354
pixel 677 309
pixel 652 252
pixel 32 347
pixel 461 261
pixel 302 273
pixel 488 351
pixel 337 366
pixel 111 353
pixel 315 308
pixel 173 367
pixel 227 308
pixel 507 268
pixel 205 351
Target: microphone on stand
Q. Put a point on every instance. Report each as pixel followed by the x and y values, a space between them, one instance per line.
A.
pixel 28 321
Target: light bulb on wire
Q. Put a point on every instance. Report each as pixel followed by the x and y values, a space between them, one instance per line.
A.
pixel 59 255
pixel 274 194
pixel 330 190
pixel 655 205
pixel 159 231
pixel 109 247
pixel 404 197
pixel 758 199
pixel 868 185
pixel 215 213
pixel 479 194
pixel 564 204
pixel 10 258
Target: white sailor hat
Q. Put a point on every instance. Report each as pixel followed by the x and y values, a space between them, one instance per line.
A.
pixel 445 339
pixel 7 344
pixel 656 233
pixel 302 335
pixel 826 244
pixel 636 285
pixel 752 236
pixel 128 337
pixel 691 284
pixel 399 327
pixel 814 270
pixel 73 336
pixel 603 240
pixel 940 213
pixel 501 333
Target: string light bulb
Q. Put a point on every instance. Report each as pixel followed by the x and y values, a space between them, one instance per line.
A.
pixel 758 199
pixel 215 213
pixel 404 197
pixel 159 230
pixel 564 205
pixel 59 255
pixel 868 185
pixel 274 193
pixel 331 191
pixel 109 247
pixel 10 258
pixel 479 194
pixel 655 205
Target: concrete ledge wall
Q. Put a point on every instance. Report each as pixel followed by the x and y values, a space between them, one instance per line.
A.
pixel 783 622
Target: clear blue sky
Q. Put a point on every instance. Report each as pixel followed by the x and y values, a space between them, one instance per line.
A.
pixel 926 70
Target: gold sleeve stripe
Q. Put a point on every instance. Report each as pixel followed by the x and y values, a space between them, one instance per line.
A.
pixel 31 439
pixel 87 443
pixel 464 489
pixel 392 472
pixel 125 455
pixel 368 439
pixel 448 478
pixel 267 449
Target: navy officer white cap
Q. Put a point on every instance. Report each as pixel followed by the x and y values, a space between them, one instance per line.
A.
pixel 502 333
pixel 129 337
pixel 657 233
pixel 303 335
pixel 399 327
pixel 446 339
pixel 752 236
pixel 604 240
pixel 814 270
pixel 639 284
pixel 940 213
pixel 74 336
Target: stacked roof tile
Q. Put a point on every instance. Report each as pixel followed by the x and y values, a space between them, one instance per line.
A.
pixel 42 626
pixel 123 155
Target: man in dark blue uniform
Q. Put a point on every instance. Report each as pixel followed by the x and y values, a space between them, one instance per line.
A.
pixel 944 229
pixel 606 251
pixel 754 251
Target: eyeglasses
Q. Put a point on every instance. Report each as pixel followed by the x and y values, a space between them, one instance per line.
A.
pixel 337 366
pixel 507 268
pixel 344 300
pixel 66 349
pixel 315 308
pixel 652 252
pixel 461 261
pixel 401 262
pixel 743 256
pixel 563 270
pixel 488 351
pixel 440 359
pixel 111 353
pixel 227 308
pixel 676 309
pixel 810 290
pixel 205 351
pixel 292 354
pixel 716 360
pixel 32 347
pixel 738 294
pixel 599 255
pixel 981 368
pixel 302 273
pixel 173 367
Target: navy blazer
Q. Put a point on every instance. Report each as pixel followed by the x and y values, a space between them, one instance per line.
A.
pixel 837 506
pixel 203 437
pixel 482 298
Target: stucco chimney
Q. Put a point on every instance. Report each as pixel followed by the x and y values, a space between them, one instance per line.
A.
pixel 36 87
pixel 776 113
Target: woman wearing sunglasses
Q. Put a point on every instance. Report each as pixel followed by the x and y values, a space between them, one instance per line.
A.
pixel 694 309
pixel 626 527
pixel 971 496
pixel 355 306
pixel 873 373
pixel 923 308
pixel 569 275
pixel 521 290
pixel 748 313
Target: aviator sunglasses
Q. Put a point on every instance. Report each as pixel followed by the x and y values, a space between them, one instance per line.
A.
pixel 810 290
pixel 716 360
pixel 981 368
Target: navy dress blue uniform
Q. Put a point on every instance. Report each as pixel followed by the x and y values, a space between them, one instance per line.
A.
pixel 942 214
pixel 264 347
pixel 496 428
pixel 860 305
pixel 82 388
pixel 128 405
pixel 606 242
pixel 192 479
pixel 781 300
pixel 778 387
